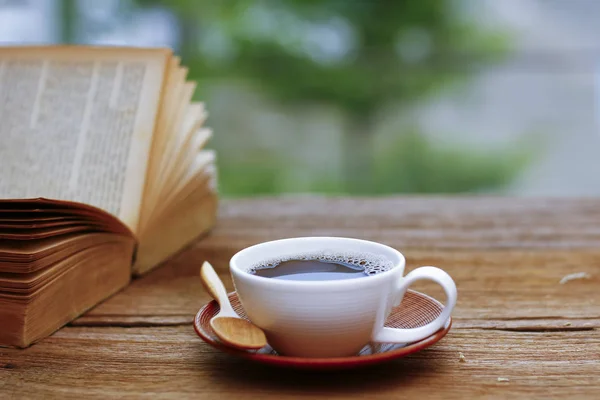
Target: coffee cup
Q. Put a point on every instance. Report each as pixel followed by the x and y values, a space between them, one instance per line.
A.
pixel 331 318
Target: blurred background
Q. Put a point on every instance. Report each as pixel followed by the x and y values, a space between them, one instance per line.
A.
pixel 370 97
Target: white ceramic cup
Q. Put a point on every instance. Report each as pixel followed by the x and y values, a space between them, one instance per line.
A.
pixel 333 318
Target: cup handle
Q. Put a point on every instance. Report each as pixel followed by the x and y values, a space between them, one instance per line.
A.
pixel 397 335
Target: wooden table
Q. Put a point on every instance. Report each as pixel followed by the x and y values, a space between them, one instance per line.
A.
pixel 513 319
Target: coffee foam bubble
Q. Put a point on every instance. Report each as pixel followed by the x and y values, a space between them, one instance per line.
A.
pixel 370 263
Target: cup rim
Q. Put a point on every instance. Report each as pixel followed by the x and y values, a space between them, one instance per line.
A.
pixel 235 269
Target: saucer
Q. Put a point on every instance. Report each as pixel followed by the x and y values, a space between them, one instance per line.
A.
pixel 416 309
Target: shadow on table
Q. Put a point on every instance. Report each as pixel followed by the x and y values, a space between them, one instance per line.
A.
pixel 231 371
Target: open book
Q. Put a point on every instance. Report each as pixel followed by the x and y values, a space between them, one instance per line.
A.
pixel 103 175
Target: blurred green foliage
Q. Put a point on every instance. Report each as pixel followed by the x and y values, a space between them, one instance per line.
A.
pixel 360 56
pixel 413 164
pixel 387 51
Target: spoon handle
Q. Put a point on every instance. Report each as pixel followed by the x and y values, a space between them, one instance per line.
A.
pixel 213 285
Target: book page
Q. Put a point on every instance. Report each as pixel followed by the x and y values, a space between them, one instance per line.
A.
pixel 192 123
pixel 177 134
pixel 200 173
pixel 174 84
pixel 196 138
pixel 191 219
pixel 203 182
pixel 76 123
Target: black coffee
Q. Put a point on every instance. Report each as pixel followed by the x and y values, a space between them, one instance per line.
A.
pixel 322 266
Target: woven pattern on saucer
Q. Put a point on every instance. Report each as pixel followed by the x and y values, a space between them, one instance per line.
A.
pixel 415 310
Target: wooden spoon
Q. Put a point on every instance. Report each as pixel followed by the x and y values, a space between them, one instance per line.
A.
pixel 227 324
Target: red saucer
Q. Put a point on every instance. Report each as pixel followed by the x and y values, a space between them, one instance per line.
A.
pixel 416 309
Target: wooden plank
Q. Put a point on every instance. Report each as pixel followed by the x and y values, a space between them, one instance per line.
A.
pixel 415 222
pixel 487 274
pixel 499 284
pixel 495 248
pixel 173 362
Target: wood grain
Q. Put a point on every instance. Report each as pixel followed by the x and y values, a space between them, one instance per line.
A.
pixel 513 318
pixel 497 284
pixel 160 361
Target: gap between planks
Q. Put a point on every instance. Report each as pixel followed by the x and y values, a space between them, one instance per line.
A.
pixel 533 324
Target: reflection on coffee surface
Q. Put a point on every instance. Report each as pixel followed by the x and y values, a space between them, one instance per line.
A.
pixel 322 266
